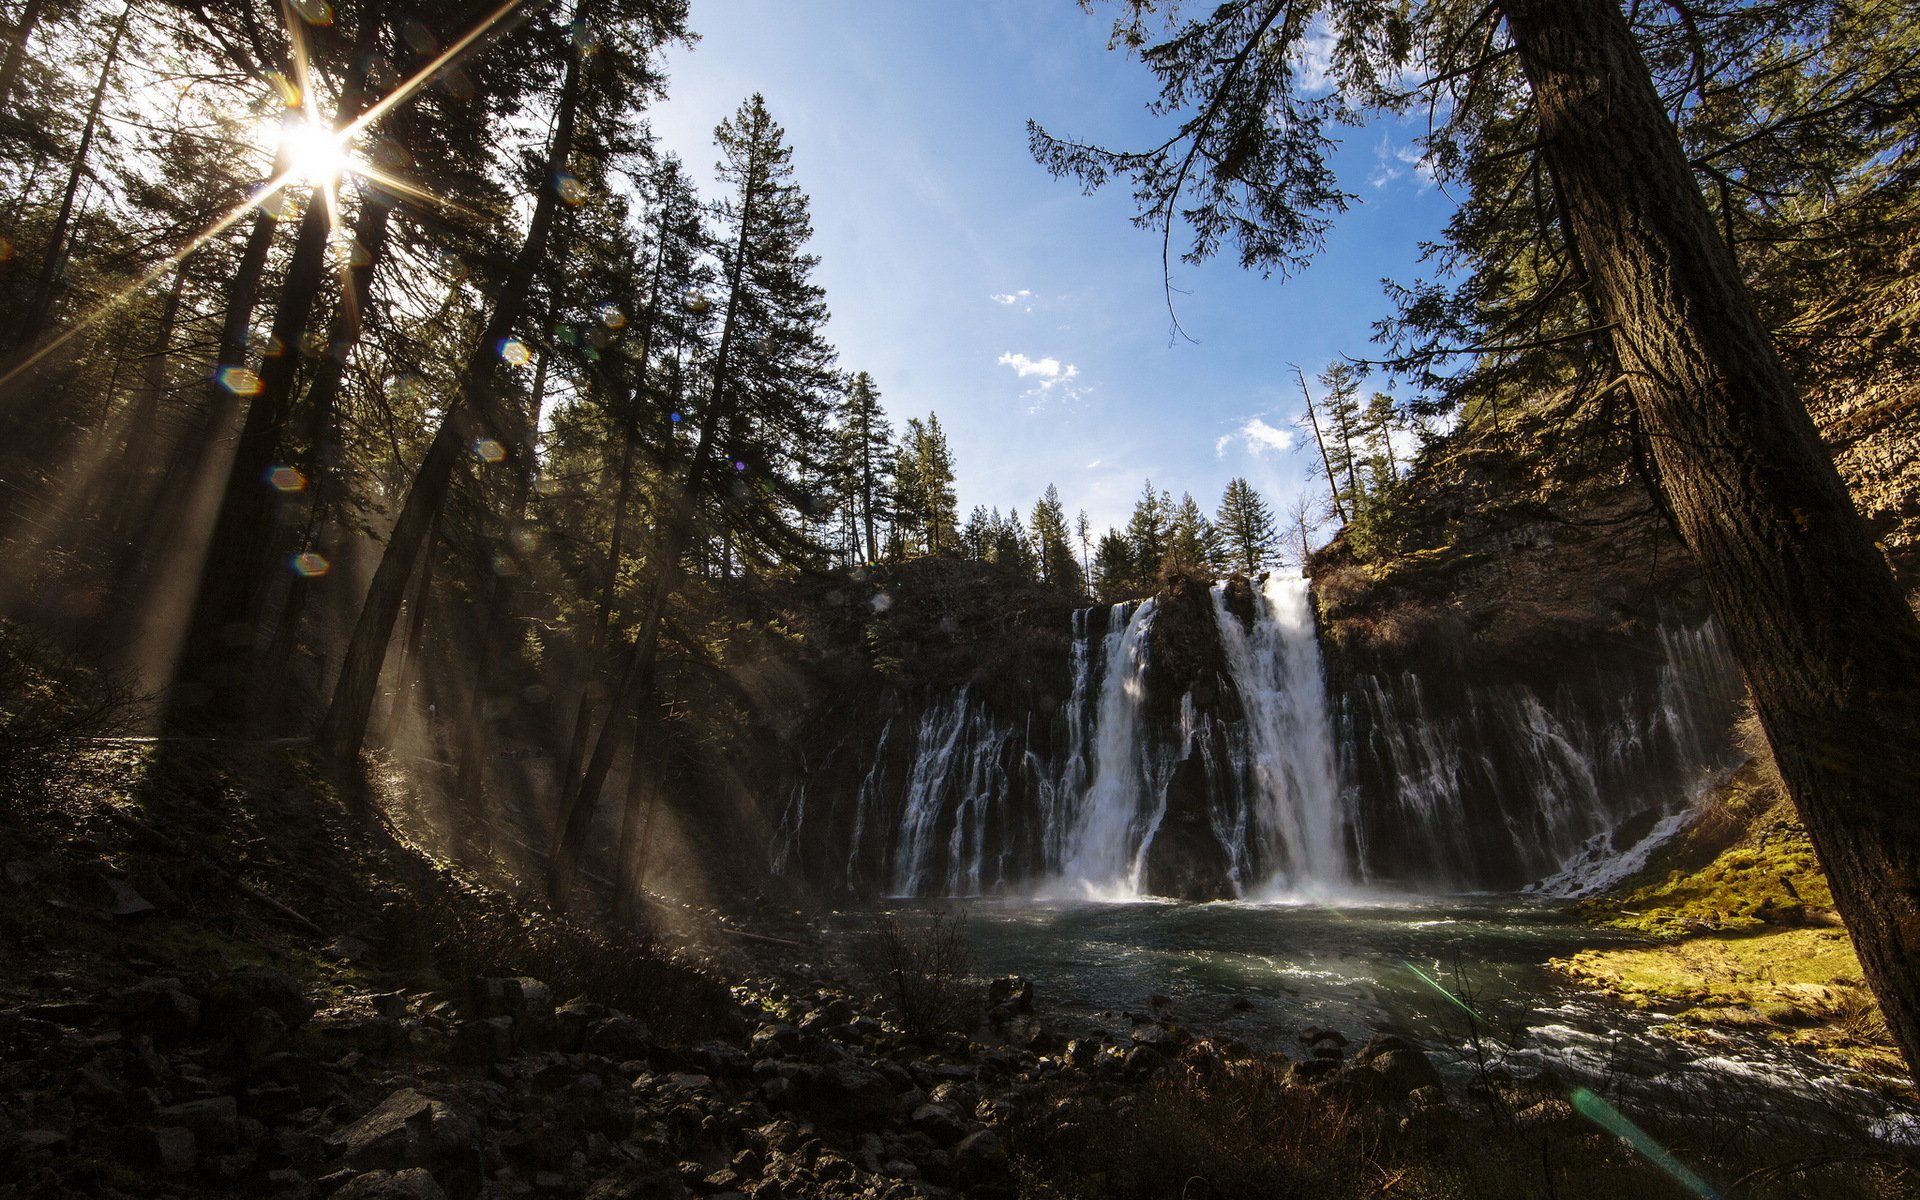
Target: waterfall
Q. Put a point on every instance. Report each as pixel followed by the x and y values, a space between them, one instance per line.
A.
pixel 1113 820
pixel 1235 767
pixel 1288 749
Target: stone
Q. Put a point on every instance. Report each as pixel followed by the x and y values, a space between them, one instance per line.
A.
pixel 1143 1061
pixel 347 949
pixel 1547 1114
pixel 939 1123
pixel 980 1158
pixel 410 1184
pixel 123 903
pixel 169 1149
pixel 215 1121
pixel 240 992
pixel 620 1038
pixel 380 1137
pixel 845 1094
pixel 1012 991
pixel 484 1042
pixel 162 1005
pixel 389 1005
pixel 1402 1071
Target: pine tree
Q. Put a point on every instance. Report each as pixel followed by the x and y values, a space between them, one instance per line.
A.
pixel 1249 539
pixel 864 449
pixel 1116 576
pixel 1192 543
pixel 1053 550
pixel 1147 536
pixel 765 403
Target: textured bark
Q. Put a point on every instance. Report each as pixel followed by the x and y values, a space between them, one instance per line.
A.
pixel 1828 646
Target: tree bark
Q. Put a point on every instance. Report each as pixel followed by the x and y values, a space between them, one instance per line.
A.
pixel 344 728
pixel 1828 645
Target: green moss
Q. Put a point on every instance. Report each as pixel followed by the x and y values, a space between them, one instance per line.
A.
pixel 1747 864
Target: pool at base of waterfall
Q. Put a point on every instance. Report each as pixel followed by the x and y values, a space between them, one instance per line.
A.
pixel 1441 971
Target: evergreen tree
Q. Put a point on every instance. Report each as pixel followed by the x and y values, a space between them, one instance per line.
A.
pixel 865 443
pixel 1147 536
pixel 1116 576
pixel 1249 540
pixel 1053 550
pixel 1192 543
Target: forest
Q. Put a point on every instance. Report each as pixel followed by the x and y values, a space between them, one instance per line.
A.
pixel 494 702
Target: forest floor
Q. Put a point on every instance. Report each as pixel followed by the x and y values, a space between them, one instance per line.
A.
pixel 227 979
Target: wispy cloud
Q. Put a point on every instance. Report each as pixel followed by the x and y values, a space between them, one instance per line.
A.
pixel 1051 378
pixel 1011 297
pixel 1391 162
pixel 1257 437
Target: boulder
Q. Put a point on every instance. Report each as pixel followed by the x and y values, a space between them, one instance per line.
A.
pixel 845 1094
pixel 405 1129
pixel 1402 1072
pixel 411 1184
pixel 239 993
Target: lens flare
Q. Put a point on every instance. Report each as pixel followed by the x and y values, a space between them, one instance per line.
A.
pixel 487 450
pixel 309 565
pixel 316 155
pixel 286 479
pixel 516 352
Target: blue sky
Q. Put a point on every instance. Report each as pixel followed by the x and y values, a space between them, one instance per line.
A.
pixel 1030 317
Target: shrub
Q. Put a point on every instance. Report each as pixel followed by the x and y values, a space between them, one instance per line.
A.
pixel 924 970
pixel 51 703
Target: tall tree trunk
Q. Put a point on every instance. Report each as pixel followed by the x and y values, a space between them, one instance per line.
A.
pixel 53 263
pixel 344 729
pixel 223 636
pixel 1829 648
pixel 321 405
pixel 17 49
pixel 675 531
pixel 1326 464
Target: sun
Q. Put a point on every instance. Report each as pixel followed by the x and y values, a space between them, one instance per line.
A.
pixel 316 154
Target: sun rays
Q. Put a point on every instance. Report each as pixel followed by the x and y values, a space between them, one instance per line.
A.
pixel 315 151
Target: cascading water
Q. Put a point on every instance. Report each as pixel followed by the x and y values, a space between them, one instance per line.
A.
pixel 1203 752
pixel 1296 821
pixel 1114 818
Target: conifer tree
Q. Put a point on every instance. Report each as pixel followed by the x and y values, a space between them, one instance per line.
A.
pixel 1249 540
pixel 864 449
pixel 1053 548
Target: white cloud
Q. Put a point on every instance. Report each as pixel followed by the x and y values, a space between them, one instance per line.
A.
pixel 1257 437
pixel 1011 297
pixel 1314 58
pixel 1392 162
pixel 1050 377
pixel 1049 371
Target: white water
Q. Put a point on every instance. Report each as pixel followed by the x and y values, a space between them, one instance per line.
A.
pixel 1412 786
pixel 1114 820
pixel 1296 813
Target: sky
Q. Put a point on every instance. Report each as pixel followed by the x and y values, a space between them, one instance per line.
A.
pixel 1029 316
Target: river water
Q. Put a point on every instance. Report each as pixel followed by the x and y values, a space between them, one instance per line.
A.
pixel 1439 971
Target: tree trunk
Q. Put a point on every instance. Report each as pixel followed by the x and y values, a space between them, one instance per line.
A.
pixel 1827 643
pixel 222 639
pixel 344 729
pixel 676 529
pixel 53 262
pixel 17 49
pixel 322 401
